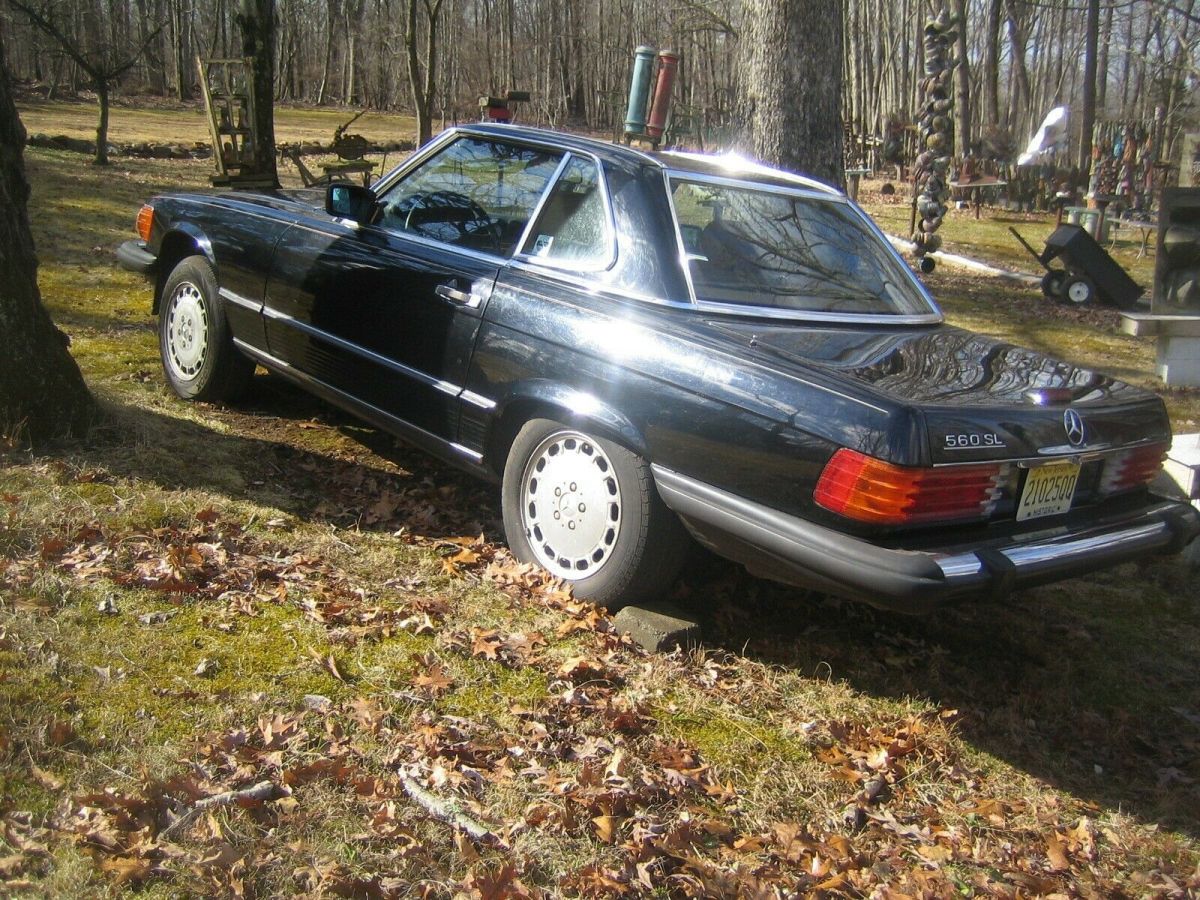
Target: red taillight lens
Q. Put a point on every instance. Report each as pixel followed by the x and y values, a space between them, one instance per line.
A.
pixel 1131 469
pixel 871 490
pixel 145 221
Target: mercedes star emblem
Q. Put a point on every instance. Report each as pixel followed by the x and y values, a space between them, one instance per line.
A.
pixel 1073 423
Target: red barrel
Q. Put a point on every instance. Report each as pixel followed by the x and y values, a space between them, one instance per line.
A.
pixel 668 67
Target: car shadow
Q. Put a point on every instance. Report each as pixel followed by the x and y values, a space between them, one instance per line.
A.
pixel 1089 685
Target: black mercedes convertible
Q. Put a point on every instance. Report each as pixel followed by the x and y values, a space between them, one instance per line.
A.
pixel 649 348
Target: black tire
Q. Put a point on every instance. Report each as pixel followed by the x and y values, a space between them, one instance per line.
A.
pixel 1078 290
pixel 628 549
pixel 1052 284
pixel 198 355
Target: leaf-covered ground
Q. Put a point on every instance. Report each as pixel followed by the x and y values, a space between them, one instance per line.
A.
pixel 268 651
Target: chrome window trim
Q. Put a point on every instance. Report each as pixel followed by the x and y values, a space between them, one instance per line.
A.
pixel 418 157
pixel 541 204
pixel 610 222
pixel 591 287
pixel 933 317
pixel 447 138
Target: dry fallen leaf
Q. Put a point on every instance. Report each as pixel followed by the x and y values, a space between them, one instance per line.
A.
pixel 1056 852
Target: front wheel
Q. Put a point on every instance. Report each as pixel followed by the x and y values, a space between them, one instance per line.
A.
pixel 199 358
pixel 1079 289
pixel 585 509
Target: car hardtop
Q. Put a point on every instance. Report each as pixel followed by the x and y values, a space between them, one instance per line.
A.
pixel 708 165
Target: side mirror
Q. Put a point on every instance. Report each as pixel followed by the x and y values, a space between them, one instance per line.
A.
pixel 350 201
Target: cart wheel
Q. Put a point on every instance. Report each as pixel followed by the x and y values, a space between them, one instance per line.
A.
pixel 1052 284
pixel 1079 289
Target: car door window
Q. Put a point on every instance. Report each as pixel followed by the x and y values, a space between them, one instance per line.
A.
pixel 476 194
pixel 573 227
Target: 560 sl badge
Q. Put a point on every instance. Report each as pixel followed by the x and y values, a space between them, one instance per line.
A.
pixel 972 440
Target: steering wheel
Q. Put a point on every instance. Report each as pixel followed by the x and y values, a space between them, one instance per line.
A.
pixel 468 222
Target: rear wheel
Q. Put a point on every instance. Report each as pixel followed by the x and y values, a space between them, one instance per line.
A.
pixel 1052 284
pixel 585 509
pixel 198 354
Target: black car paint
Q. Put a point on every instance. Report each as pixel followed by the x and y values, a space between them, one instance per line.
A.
pixel 748 408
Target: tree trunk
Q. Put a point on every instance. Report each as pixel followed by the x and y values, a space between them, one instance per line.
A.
pixel 42 394
pixel 1088 117
pixel 991 64
pixel 962 84
pixel 257 22
pixel 101 157
pixel 791 91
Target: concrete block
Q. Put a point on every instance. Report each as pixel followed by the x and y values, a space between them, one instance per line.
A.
pixel 658 627
pixel 1178 360
pixel 1183 464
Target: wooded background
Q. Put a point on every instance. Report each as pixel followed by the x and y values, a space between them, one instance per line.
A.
pixel 1023 57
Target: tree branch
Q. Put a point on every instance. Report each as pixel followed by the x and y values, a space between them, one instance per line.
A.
pixel 259 793
pixel 448 811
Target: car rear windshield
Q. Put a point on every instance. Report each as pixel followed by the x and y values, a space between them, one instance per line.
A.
pixel 789 251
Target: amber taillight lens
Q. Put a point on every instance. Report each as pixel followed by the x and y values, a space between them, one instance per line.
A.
pixel 870 490
pixel 145 221
pixel 1131 469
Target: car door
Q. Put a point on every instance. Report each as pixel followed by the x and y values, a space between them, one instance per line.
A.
pixel 385 314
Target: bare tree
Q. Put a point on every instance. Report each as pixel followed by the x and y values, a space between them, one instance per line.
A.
pixel 90 49
pixel 42 393
pixel 422 67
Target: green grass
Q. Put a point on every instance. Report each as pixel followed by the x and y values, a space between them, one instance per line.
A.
pixel 1070 702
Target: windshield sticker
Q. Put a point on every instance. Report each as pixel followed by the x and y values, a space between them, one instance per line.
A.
pixel 542 245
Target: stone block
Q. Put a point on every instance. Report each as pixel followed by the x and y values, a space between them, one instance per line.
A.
pixel 658 627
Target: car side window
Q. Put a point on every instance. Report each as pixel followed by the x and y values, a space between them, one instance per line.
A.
pixel 573 226
pixel 475 193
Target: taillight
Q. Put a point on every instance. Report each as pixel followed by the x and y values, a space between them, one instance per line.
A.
pixel 870 490
pixel 1131 469
pixel 145 221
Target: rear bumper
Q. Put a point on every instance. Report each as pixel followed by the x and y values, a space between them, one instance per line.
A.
pixel 792 550
pixel 134 257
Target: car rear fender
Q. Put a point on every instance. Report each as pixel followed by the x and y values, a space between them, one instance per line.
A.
pixel 547 400
pixel 183 240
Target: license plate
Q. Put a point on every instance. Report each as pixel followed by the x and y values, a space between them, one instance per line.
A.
pixel 1049 490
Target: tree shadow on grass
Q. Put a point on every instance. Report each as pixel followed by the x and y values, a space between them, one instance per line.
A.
pixel 1090 685
pixel 283 449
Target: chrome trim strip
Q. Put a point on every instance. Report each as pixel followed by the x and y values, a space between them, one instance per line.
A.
pixel 261 355
pixel 828 196
pixel 748 168
pixel 239 300
pixel 774 312
pixel 477 400
pixel 417 157
pixel 563 275
pixel 465 451
pixel 445 387
pixel 268 360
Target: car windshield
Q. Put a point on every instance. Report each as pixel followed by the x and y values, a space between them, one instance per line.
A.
pixel 789 251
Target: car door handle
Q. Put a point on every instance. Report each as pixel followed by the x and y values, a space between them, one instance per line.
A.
pixel 454 295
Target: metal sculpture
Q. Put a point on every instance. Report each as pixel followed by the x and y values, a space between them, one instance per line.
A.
pixel 931 173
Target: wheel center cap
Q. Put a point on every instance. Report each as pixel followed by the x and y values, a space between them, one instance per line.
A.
pixel 569 505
